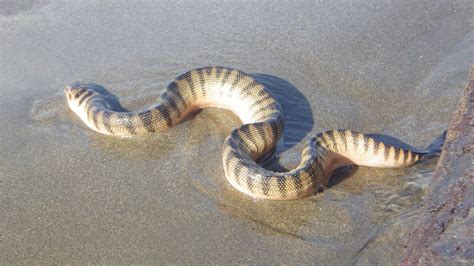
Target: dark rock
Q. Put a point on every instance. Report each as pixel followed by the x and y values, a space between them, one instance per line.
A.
pixel 444 233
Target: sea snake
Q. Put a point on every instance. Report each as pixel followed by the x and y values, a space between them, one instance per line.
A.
pixel 262 127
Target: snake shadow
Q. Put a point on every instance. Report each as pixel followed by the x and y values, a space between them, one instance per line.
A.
pixel 298 120
pixel 112 99
pixel 297 114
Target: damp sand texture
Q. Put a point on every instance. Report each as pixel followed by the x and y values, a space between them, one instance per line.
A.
pixel 69 195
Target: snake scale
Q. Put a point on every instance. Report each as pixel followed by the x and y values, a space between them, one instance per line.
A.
pixel 262 128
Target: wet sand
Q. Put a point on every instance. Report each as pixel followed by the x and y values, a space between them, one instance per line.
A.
pixel 71 195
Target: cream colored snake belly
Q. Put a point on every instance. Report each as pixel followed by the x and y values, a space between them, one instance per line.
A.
pixel 262 128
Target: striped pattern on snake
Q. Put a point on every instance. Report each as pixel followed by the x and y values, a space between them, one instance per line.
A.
pixel 262 128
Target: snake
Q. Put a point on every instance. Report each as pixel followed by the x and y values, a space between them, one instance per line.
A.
pixel 261 129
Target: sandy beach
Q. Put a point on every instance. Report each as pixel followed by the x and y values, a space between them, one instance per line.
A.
pixel 70 195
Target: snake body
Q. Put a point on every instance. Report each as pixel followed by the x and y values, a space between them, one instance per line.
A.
pixel 261 130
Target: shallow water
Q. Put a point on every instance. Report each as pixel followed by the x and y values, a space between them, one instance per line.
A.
pixel 71 195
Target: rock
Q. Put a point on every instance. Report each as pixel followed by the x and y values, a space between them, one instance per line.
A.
pixel 444 233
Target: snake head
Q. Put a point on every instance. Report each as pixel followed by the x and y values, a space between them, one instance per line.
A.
pixel 79 94
pixel 76 90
